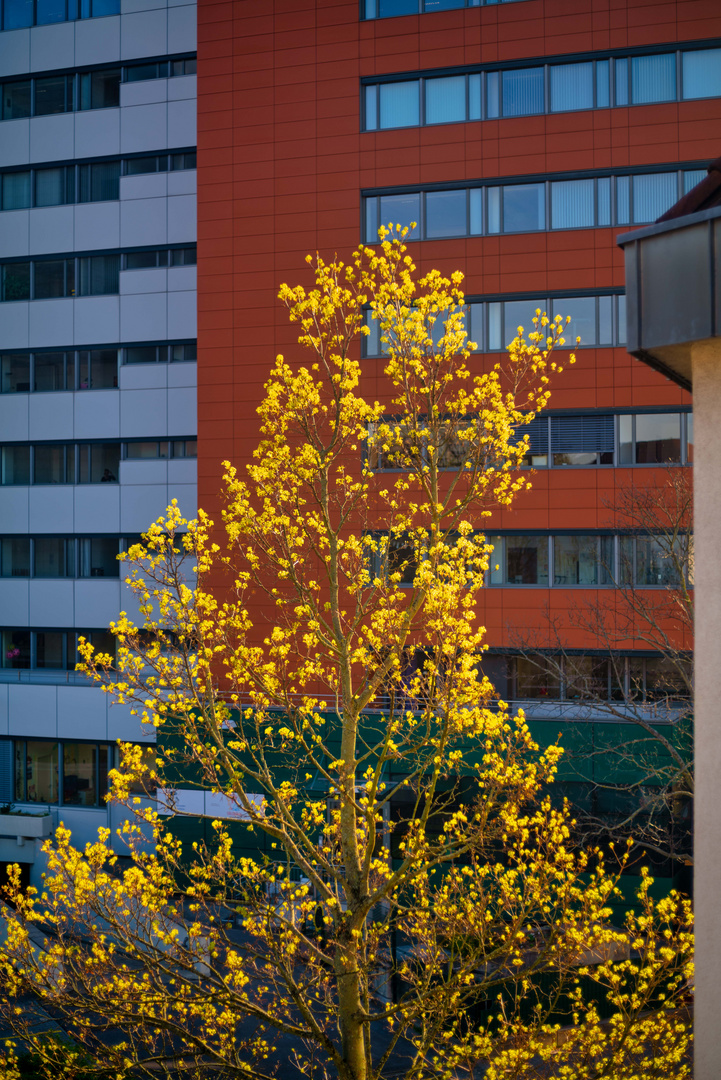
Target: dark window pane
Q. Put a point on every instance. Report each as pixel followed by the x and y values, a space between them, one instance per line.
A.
pixel 50 557
pixel 658 438
pixel 522 92
pixel 401 210
pixel 99 557
pixel 586 677
pixel 139 72
pixel 16 98
pixel 16 191
pixel 100 181
pixel 667 678
pixel 99 463
pixel 49 279
pixel 50 11
pixel 15 373
pixel 656 562
pixel 140 451
pixel 49 649
pixel 142 354
pixel 99 275
pixel 50 371
pixel 399 104
pixel 180 256
pixel 16 281
pixel 42 771
pixel 99 369
pixel 401 559
pixel 141 260
pixel 16 648
pixel 536 677
pixel 527 560
pixel 653 78
pixel 16 464
pixel 50 187
pixel 80 774
pixel 579 560
pixel 571 87
pixel 446 213
pixel 523 207
pixel 701 73
pixel 15 557
pixel 387 8
pixel 139 166
pixel 105 7
pixel 17 13
pixel 50 95
pixel 101 640
pixel 100 89
pixel 446 100
pixel 50 464
pixel 184 161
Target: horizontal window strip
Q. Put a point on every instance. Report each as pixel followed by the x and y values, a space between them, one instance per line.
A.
pixel 386 9
pixel 76 91
pixel 602 81
pixel 26 371
pixel 492 207
pixel 63 556
pixel 83 462
pixel 17 14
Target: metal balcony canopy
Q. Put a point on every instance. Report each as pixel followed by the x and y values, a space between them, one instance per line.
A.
pixel 673 281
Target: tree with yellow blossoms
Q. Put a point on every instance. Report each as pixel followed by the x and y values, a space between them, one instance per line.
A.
pixel 390 890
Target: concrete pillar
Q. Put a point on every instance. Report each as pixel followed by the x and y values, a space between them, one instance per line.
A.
pixel 706 363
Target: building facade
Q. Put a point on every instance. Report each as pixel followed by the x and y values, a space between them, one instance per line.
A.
pixel 521 137
pixel 98 427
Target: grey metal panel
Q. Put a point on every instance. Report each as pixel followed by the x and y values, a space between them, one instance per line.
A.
pixel 676 287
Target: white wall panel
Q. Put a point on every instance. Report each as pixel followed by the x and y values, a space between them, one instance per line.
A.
pixel 183 182
pixel 52 47
pixel 52 138
pixel 97 131
pixel 182 412
pixel 182 123
pixel 15 142
pixel 97 318
pixel 143 221
pixel 14 233
pixel 184 374
pixel 182 86
pixel 144 127
pixel 51 509
pixel 143 92
pixel 97 40
pixel 142 504
pixel 15 318
pixel 51 602
pixel 187 496
pixel 14 601
pixel 182 29
pixel 14 52
pixel 51 322
pixel 97 602
pixel 140 473
pixel 14 509
pixel 182 471
pixel 96 414
pixel 97 508
pixel 143 317
pixel 127 6
pixel 182 218
pixel 121 725
pixel 142 376
pixel 144 33
pixel 135 282
pixel 97 225
pixel 14 416
pixel 50 415
pixel 143 413
pixel 82 712
pixel 182 279
pixel 52 228
pixel 145 186
pixel 182 315
pixel 33 711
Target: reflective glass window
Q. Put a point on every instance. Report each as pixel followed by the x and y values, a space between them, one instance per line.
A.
pixel 518 313
pixel 523 207
pixel 582 310
pixel 141 354
pixel 51 557
pixel 14 373
pixel 388 8
pixel 100 89
pixel 80 774
pixel 138 72
pixel 653 195
pixel 142 165
pixel 402 559
pixel 99 463
pixel 585 677
pixel 16 464
pixel 572 204
pixel 655 562
pixel 401 210
pixel 445 99
pixel 653 78
pixel 50 11
pixel 16 100
pixel 15 556
pixel 99 275
pixel 446 213
pixel 399 106
pixel 537 677
pixel 99 181
pixel 50 95
pixel 527 560
pixel 17 13
pixel 105 7
pixel 41 770
pixel 571 87
pixel 582 560
pixel 99 557
pixel 522 92
pixel 51 187
pixel 658 438
pixel 98 369
pixel 701 73
pixel 15 190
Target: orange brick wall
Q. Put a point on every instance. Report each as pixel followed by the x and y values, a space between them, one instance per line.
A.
pixel 282 162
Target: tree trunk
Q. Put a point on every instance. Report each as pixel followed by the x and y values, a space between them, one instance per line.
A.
pixel 349 1010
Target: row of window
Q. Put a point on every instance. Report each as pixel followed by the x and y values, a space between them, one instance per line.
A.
pixel 589 560
pixel 97 181
pixel 77 91
pixel 385 9
pixel 88 275
pixel 491 325
pixel 55 650
pixel 571 439
pixel 83 463
pixel 84 369
pixel 682 75
pixel 579 678
pixel 62 557
pixel 17 14
pixel 488 209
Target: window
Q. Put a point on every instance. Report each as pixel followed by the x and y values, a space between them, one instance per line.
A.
pixel 37 769
pixel 445 100
pixel 52 464
pixel 53 95
pixel 15 556
pixel 71 773
pixel 99 89
pixel 651 439
pixel 52 557
pixel 55 186
pixel 536 677
pixel 385 9
pixel 99 557
pixel 98 369
pixel 53 371
pixel 578 677
pixel 16 99
pixel 14 373
pixel 582 440
pixel 16 648
pixel 15 190
pixel 98 275
pixel 522 92
pixel 99 463
pixel 161 69
pixel 701 73
pixel 489 208
pixel 99 181
pixel 15 465
pixel 152 450
pixel 572 87
pixel 655 561
pixel 19 13
pixel 16 281
pixel 148 259
pixel 583 560
pixel 54 278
